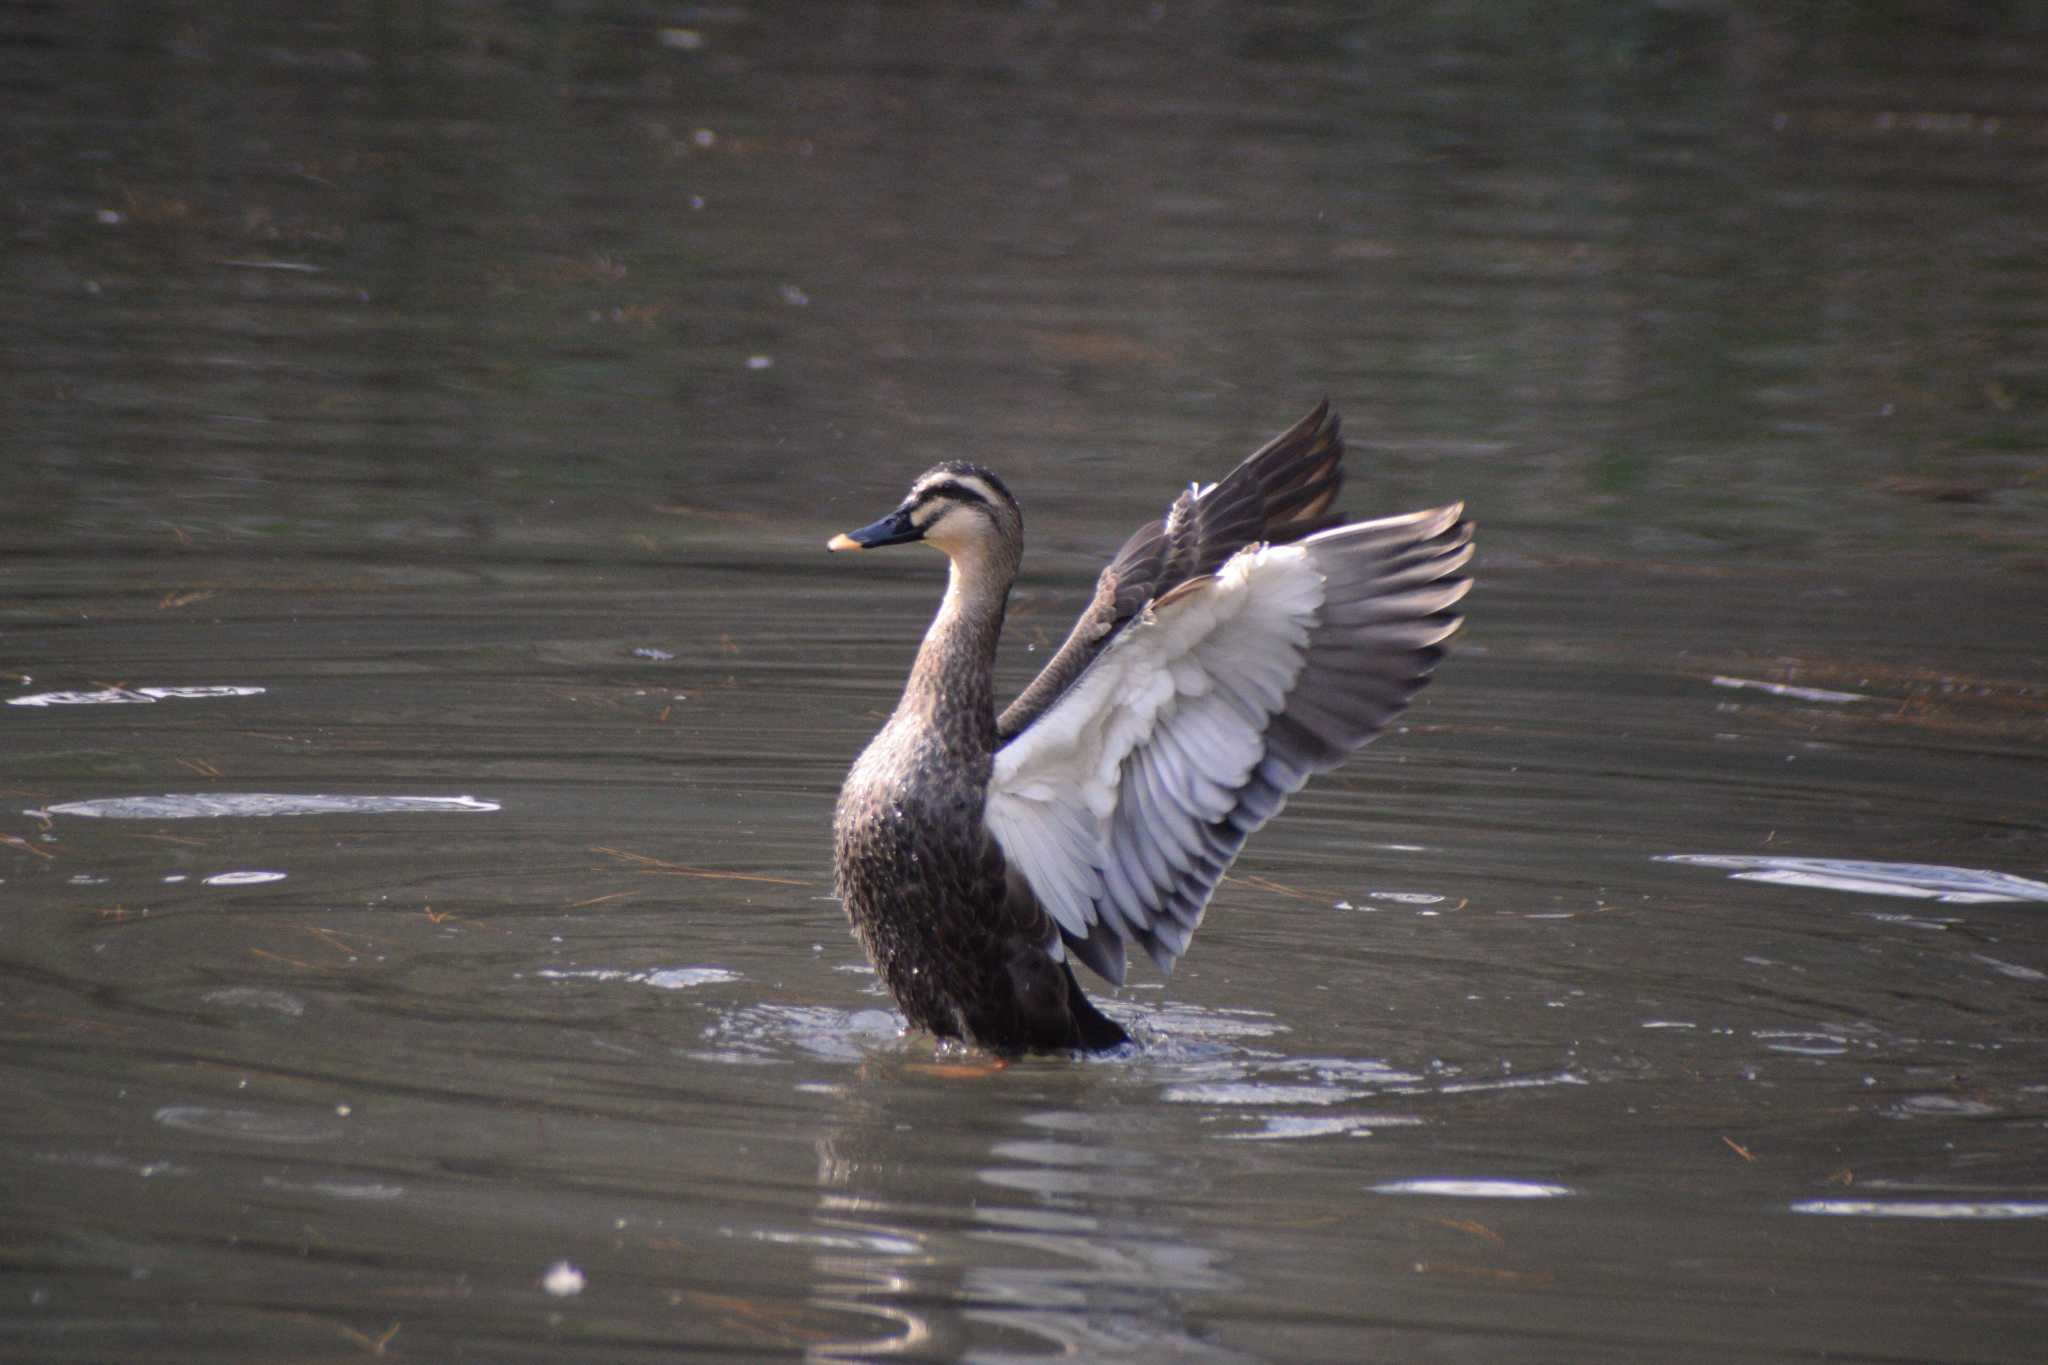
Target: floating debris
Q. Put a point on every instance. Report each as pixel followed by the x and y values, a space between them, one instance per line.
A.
pixel 660 867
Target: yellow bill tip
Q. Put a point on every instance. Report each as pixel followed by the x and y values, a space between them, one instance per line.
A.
pixel 842 542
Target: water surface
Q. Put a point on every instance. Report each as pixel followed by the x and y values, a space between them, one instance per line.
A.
pixel 426 689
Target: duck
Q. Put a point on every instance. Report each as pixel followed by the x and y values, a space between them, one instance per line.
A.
pixel 1244 641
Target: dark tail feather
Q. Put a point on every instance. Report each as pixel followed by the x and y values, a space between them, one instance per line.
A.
pixel 1093 1030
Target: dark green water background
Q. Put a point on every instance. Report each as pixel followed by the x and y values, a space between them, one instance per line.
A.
pixel 480 382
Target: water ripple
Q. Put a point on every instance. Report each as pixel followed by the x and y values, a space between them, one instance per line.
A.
pixel 1993 1209
pixel 131 696
pixel 247 1123
pixel 1474 1189
pixel 1282 1127
pixel 1925 881
pixel 665 978
pixel 251 878
pixel 214 805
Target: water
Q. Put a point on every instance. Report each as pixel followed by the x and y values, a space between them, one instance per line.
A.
pixel 428 690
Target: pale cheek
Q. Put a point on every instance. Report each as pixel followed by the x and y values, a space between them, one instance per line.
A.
pixel 948 535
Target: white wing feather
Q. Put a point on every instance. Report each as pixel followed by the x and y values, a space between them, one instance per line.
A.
pixel 1102 803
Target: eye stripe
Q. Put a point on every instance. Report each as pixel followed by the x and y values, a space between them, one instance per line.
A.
pixel 953 488
pixel 964 484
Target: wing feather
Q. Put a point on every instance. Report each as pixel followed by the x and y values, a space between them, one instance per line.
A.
pixel 1234 647
pixel 1280 493
pixel 1127 796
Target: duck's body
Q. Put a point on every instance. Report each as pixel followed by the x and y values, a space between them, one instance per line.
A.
pixel 1233 648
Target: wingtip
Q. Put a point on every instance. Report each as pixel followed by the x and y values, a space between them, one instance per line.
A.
pixel 1323 417
pixel 1448 519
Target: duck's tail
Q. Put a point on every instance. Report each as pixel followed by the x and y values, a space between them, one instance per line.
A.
pixel 1094 1031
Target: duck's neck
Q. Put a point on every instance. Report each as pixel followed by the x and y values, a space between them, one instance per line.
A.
pixel 951 692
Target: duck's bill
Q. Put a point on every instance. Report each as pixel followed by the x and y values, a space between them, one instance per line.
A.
pixel 895 529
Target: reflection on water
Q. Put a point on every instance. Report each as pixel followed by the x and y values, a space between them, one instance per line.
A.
pixel 1085 1264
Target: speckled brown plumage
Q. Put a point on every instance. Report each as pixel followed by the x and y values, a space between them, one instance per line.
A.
pixel 925 886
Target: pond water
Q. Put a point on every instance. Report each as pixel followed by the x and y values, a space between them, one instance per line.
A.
pixel 426 690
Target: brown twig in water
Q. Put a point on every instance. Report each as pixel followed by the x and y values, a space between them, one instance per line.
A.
pixel 657 865
pixel 289 961
pixel 374 1345
pixel 1282 889
pixel 330 937
pixel 16 841
pixel 69 1020
pixel 762 1321
pixel 1477 1229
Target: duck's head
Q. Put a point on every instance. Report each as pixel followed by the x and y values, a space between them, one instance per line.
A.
pixel 956 507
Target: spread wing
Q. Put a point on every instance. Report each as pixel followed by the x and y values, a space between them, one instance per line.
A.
pixel 1129 793
pixel 1280 493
